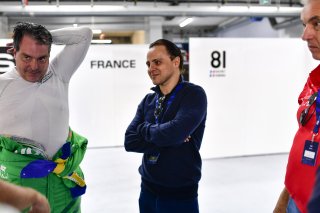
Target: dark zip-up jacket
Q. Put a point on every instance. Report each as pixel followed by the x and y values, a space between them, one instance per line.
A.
pixel 178 168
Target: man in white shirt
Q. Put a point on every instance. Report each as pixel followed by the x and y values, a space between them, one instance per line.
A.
pixel 34 102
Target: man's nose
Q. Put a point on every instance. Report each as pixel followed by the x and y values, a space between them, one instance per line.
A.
pixel 152 66
pixel 308 32
pixel 34 64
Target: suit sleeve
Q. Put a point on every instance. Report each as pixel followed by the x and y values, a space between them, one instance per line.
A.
pixel 77 42
pixel 192 111
pixel 133 140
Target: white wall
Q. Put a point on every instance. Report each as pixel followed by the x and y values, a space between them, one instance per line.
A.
pixel 252 109
pixel 103 101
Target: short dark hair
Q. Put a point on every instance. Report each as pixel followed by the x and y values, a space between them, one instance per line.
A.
pixel 36 31
pixel 171 48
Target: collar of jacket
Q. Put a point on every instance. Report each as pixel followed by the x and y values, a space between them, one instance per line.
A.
pixel 157 90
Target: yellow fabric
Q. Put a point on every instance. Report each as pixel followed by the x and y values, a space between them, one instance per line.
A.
pixel 59 168
pixel 77 179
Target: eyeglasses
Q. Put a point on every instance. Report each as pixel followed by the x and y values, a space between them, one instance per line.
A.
pixel 305 116
pixel 159 106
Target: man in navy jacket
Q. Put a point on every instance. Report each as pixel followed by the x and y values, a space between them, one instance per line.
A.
pixel 168 128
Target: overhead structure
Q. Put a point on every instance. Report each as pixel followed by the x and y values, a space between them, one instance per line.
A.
pixel 143 15
pixel 147 9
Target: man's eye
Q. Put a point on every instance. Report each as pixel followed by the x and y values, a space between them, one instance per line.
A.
pixel 316 25
pixel 42 60
pixel 157 62
pixel 26 58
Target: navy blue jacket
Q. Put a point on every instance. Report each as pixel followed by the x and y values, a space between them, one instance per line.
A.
pixel 178 168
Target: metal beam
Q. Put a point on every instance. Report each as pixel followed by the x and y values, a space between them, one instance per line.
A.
pixel 120 10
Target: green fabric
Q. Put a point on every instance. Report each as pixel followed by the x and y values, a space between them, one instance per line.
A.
pixel 78 149
pixel 55 188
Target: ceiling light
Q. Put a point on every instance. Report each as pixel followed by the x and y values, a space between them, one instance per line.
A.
pixel 186 22
pixel 106 41
pixel 75 25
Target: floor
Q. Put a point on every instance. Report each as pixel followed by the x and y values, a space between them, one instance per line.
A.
pixel 228 185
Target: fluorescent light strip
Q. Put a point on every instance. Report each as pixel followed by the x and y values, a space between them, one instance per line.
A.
pixel 106 41
pixel 186 22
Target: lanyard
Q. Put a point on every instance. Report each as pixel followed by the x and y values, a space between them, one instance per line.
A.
pixel 159 104
pixel 317 125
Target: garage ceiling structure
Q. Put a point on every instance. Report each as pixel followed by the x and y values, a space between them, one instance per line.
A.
pixel 126 16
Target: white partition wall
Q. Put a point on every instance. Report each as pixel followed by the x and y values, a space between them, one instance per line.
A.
pixel 252 87
pixel 106 90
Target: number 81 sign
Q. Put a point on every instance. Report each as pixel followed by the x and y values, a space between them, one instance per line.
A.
pixel 218 59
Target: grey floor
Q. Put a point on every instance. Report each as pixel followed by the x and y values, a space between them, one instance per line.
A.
pixel 228 185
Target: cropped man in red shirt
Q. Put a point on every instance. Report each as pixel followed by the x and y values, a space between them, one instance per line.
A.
pixel 304 159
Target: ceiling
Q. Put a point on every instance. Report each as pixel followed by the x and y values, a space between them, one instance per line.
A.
pixel 126 16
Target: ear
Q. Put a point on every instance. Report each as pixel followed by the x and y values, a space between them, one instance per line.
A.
pixel 176 61
pixel 14 52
